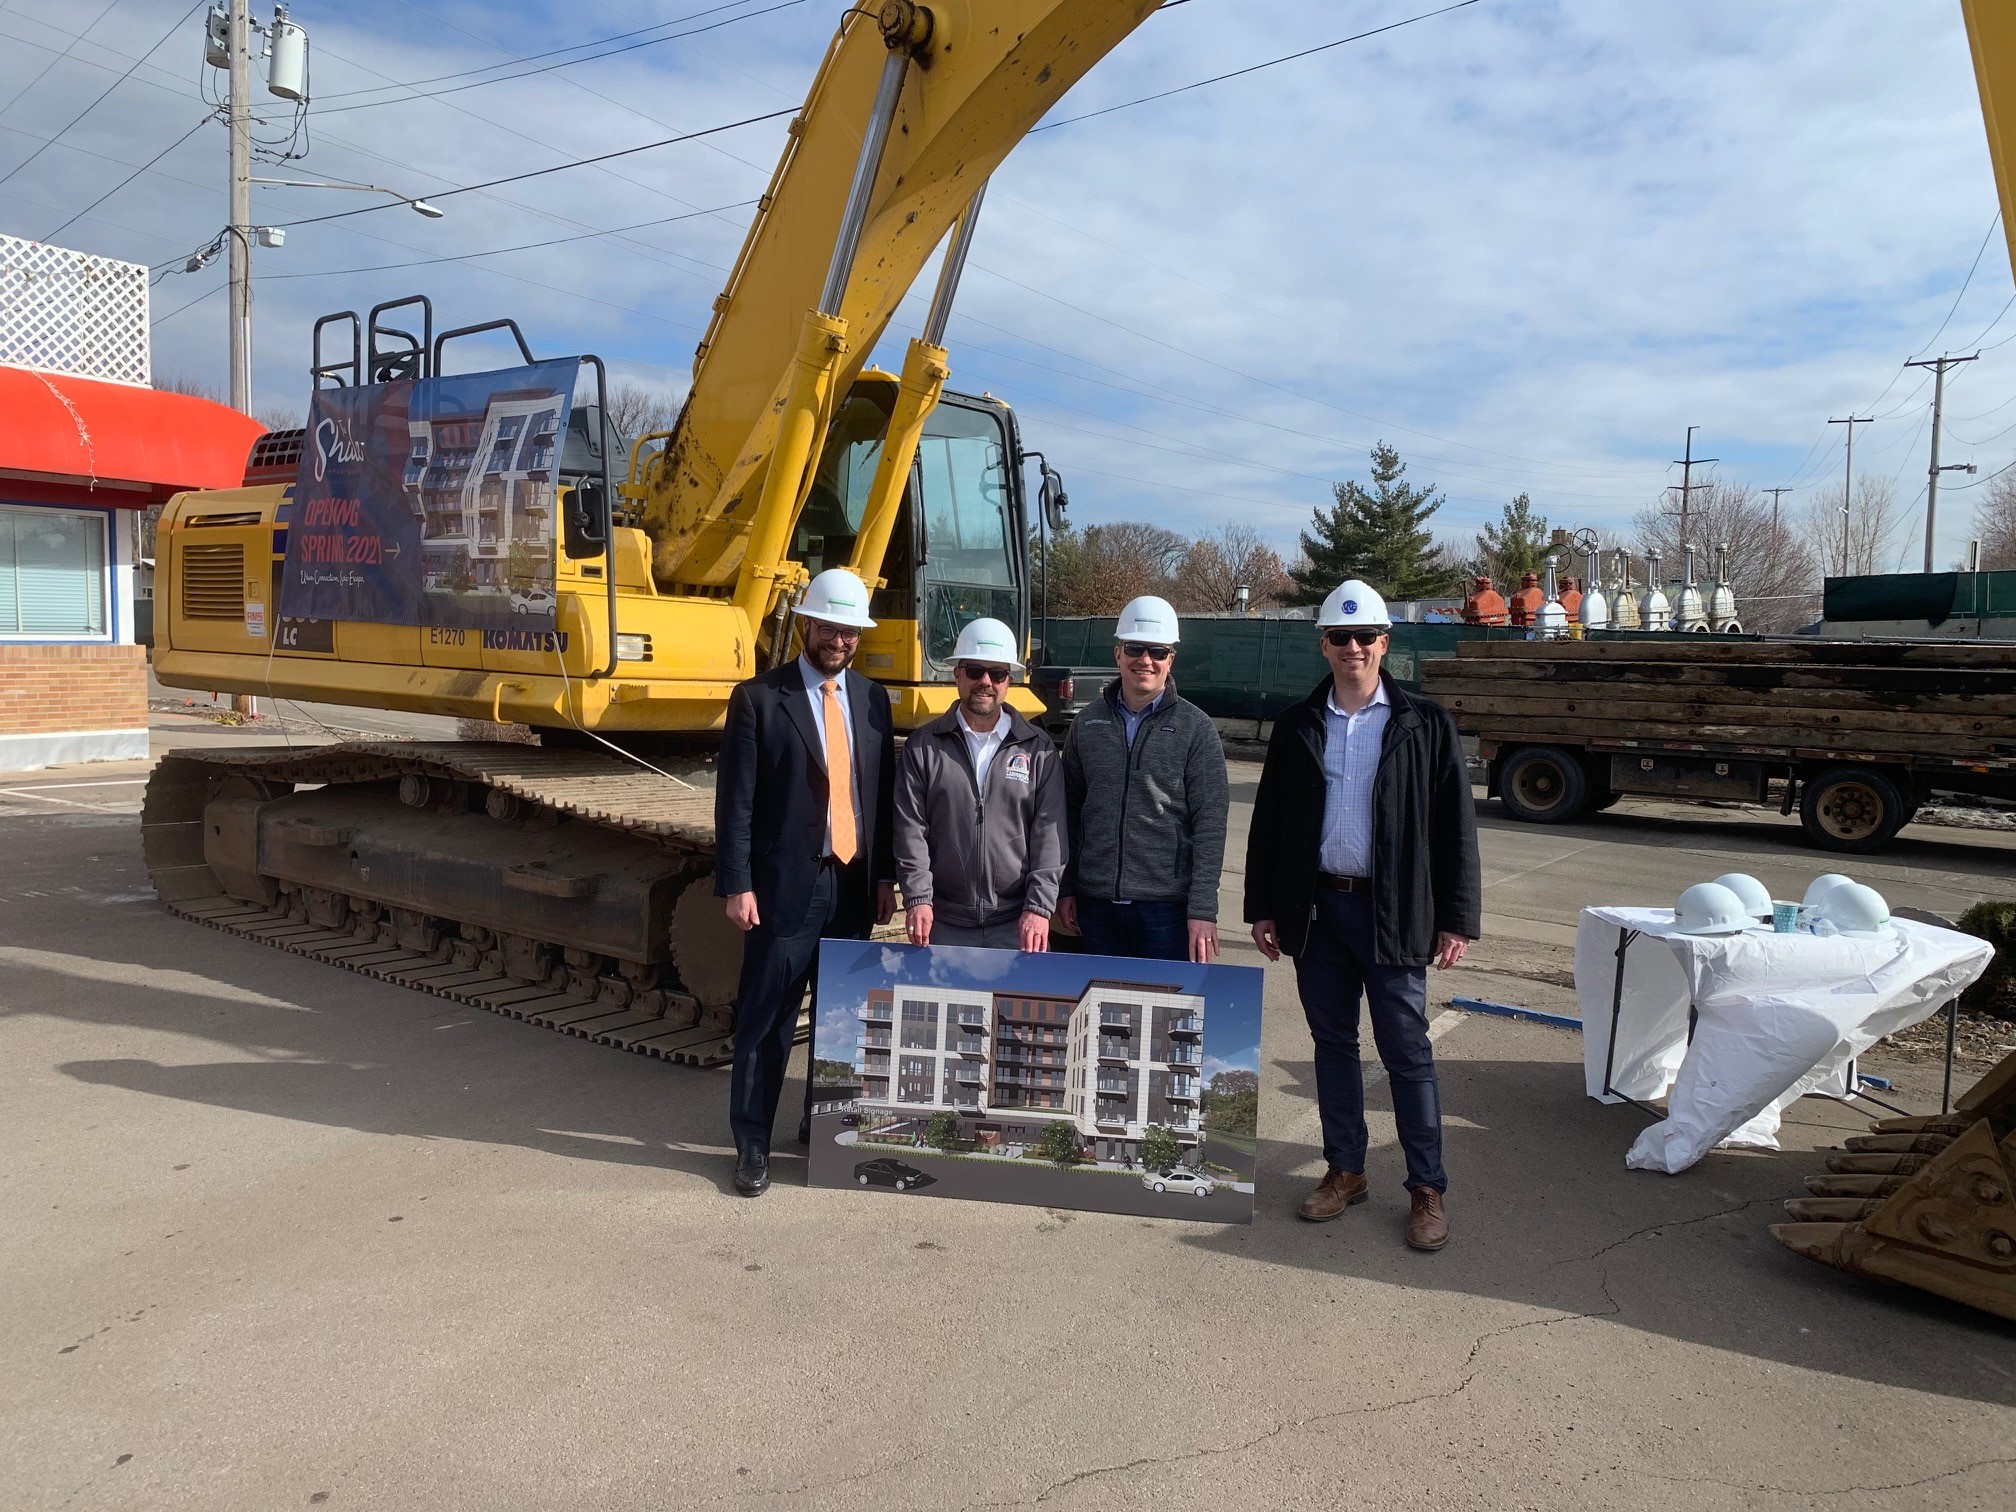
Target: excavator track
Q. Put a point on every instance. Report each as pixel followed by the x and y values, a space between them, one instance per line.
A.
pixel 543 834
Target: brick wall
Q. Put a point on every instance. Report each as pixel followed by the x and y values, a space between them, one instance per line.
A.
pixel 47 689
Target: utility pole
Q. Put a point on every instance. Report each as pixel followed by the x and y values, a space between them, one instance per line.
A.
pixel 1775 492
pixel 1687 464
pixel 1848 478
pixel 1938 366
pixel 238 235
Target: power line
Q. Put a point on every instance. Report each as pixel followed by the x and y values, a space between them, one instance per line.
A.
pixel 79 37
pixel 435 94
pixel 1254 67
pixel 128 179
pixel 108 89
pixel 516 178
pixel 1964 283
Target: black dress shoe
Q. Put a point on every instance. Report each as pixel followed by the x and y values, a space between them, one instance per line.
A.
pixel 752 1173
pixel 805 1130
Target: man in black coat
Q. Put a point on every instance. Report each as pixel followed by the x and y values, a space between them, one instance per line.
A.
pixel 798 856
pixel 1361 863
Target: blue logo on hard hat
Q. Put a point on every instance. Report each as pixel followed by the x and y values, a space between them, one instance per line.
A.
pixel 1350 606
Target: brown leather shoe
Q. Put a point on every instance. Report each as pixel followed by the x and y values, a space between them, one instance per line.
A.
pixel 1338 1191
pixel 1427 1224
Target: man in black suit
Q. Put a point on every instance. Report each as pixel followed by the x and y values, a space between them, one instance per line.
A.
pixel 800 856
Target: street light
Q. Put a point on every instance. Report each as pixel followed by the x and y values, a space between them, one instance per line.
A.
pixel 432 212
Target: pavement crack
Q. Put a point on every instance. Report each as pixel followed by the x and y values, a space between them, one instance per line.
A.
pixel 1660 1227
pixel 1468 1367
pixel 1811 1492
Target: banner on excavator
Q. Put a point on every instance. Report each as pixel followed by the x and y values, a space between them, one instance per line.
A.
pixel 431 501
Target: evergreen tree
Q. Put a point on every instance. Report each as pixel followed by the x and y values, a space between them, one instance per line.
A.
pixel 1516 545
pixel 1380 535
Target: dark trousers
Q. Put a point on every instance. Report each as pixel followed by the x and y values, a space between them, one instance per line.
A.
pixel 776 969
pixel 1153 931
pixel 1337 968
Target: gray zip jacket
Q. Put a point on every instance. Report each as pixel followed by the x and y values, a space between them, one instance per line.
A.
pixel 1147 820
pixel 980 859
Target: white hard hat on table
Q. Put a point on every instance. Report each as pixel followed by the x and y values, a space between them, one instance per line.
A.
pixel 1756 897
pixel 1147 618
pixel 1855 910
pixel 1708 908
pixel 1354 605
pixel 989 641
pixel 1822 885
pixel 837 597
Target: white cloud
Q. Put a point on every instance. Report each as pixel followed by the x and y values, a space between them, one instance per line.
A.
pixel 1551 231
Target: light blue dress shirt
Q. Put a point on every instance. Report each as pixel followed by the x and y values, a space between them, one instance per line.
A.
pixel 1351 745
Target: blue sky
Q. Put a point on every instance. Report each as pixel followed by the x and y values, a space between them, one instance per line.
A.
pixel 850 970
pixel 1528 243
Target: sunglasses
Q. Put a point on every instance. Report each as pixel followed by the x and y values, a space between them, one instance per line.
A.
pixel 992 674
pixel 1342 638
pixel 1153 653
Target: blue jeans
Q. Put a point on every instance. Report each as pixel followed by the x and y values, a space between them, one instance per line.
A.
pixel 1338 966
pixel 1154 931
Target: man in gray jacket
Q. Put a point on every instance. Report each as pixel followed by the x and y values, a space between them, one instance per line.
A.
pixel 980 811
pixel 1145 787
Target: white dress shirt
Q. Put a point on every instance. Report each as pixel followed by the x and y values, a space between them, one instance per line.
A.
pixel 982 747
pixel 815 689
pixel 1351 745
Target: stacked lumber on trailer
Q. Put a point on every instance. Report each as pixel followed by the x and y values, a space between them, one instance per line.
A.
pixel 1932 702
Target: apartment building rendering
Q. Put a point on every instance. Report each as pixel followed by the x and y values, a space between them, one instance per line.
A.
pixel 483 483
pixel 1112 1061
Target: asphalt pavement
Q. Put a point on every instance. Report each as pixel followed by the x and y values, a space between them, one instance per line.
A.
pixel 282 1236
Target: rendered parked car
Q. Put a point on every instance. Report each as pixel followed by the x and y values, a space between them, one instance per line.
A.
pixel 891 1173
pixel 1178 1180
pixel 532 601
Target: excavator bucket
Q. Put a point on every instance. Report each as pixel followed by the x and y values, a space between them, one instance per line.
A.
pixel 1925 1202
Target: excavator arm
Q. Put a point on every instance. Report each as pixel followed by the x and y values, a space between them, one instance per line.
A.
pixel 913 107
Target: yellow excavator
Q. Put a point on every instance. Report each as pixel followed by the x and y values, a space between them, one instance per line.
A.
pixel 569 883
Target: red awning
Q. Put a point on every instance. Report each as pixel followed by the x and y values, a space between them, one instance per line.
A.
pixel 79 428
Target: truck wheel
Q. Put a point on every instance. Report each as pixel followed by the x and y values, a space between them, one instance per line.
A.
pixel 1852 808
pixel 1543 785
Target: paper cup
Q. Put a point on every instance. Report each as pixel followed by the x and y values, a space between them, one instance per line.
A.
pixel 1784 918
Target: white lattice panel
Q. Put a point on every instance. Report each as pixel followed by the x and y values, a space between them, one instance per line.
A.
pixel 70 312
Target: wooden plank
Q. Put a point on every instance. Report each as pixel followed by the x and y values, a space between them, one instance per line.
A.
pixel 1830 701
pixel 1529 730
pixel 1724 650
pixel 1879 680
pixel 1691 713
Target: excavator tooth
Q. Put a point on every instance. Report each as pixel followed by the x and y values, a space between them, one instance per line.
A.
pixel 1831 1209
pixel 1816 1241
pixel 1924 1123
pixel 1853 1186
pixel 1900 1144
pixel 1877 1164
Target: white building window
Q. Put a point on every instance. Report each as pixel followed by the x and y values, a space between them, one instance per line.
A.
pixel 52 572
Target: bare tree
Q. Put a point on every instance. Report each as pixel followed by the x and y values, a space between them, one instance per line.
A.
pixel 1772 570
pixel 1216 565
pixel 1098 569
pixel 1862 539
pixel 278 417
pixel 184 383
pixel 635 410
pixel 1995 523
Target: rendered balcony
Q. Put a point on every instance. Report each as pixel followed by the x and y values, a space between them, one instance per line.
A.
pixel 1116 1018
pixel 1186 1023
pixel 1111 1115
pixel 1115 1050
pixel 1114 1086
pixel 973 1017
pixel 974 1072
pixel 877 1038
pixel 1183 1090
pixel 1183 1055
pixel 971 1044
pixel 883 1013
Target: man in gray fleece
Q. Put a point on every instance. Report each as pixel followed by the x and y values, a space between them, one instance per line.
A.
pixel 1145 788
pixel 980 811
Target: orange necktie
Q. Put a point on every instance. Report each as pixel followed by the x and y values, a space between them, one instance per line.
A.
pixel 839 776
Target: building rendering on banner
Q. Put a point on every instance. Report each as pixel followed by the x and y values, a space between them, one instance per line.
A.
pixel 483 484
pixel 1115 1060
pixel 87 446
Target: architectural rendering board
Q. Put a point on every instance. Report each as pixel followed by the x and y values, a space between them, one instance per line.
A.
pixel 1072 1081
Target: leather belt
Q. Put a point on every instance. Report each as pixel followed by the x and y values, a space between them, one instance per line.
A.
pixel 1336 883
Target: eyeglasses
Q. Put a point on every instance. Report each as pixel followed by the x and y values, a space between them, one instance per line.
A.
pixel 992 674
pixel 1136 649
pixel 1342 638
pixel 827 630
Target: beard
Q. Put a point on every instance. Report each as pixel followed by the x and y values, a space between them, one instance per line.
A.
pixel 828 656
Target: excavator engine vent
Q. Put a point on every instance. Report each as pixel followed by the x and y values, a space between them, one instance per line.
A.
pixel 213 581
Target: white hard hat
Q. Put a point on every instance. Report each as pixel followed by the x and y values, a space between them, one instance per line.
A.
pixel 1822 885
pixel 1353 604
pixel 1709 908
pixel 1855 910
pixel 1756 897
pixel 837 597
pixel 1147 618
pixel 989 641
